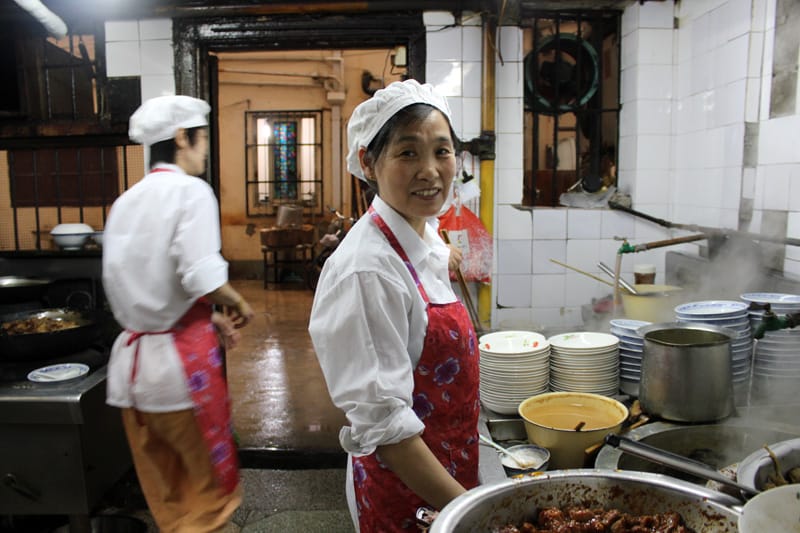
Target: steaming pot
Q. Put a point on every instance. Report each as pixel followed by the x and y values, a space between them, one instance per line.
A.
pixel 686 372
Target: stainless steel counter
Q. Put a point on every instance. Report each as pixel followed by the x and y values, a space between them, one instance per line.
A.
pixel 62 447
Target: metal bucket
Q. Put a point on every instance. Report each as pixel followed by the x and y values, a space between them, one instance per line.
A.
pixel 686 372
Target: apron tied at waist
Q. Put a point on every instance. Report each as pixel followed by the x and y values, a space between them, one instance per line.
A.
pixel 196 341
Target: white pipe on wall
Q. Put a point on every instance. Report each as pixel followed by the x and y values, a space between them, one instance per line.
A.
pixel 48 19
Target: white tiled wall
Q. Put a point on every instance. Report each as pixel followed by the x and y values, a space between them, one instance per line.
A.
pixel 142 48
pixel 692 74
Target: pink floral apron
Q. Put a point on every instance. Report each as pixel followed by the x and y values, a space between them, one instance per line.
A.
pixel 197 343
pixel 445 398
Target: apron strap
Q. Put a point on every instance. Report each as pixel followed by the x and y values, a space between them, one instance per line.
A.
pixel 392 238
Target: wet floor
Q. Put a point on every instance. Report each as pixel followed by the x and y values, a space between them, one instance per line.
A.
pixel 279 400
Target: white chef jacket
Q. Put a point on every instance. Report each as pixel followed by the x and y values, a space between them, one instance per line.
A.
pixel 368 324
pixel 161 252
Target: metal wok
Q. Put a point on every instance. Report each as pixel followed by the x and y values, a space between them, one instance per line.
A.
pixel 514 500
pixel 37 346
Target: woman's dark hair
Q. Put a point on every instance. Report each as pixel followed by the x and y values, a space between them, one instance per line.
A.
pixel 164 151
pixel 408 116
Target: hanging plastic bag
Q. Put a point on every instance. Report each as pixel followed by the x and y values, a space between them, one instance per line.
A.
pixel 467 232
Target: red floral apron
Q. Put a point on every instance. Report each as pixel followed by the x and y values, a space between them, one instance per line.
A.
pixel 196 341
pixel 445 398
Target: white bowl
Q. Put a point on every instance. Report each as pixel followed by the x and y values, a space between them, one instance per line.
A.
pixel 69 229
pixel 97 237
pixel 71 241
pixel 772 510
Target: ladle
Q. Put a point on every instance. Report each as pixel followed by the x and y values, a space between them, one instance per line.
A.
pixel 627 286
pixel 675 461
pixel 523 463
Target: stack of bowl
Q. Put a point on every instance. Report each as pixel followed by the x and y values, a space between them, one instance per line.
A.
pixel 776 358
pixel 730 315
pixel 631 348
pixel 514 365
pixel 584 361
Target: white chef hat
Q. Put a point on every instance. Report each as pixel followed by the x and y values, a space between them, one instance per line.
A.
pixel 159 118
pixel 370 116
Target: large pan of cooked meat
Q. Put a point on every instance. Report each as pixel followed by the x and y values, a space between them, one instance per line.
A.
pixel 590 500
pixel 45 333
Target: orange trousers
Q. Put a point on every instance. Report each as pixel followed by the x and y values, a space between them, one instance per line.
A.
pixel 175 472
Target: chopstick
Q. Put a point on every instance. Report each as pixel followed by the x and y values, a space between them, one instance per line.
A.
pixel 473 313
pixel 601 280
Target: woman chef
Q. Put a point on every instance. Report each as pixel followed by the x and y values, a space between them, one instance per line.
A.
pixel 396 346
pixel 162 271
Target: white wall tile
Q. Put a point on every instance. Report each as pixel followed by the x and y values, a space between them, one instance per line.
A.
pixel 548 290
pixel 547 317
pixel 471 81
pixel 583 254
pixel 122 30
pixel 510 42
pixel 508 150
pixel 583 223
pixel 543 251
pixel 653 152
pixel 512 319
pixel 656 15
pixel 655 81
pixel 615 224
pixel 456 113
pixel 514 291
pixel 438 18
pixel 509 79
pixel 778 140
pixel 444 44
pixel 508 186
pixel 122 59
pixel 157 85
pixel 652 186
pixel 514 256
pixel 156 57
pixel 655 46
pixel 629 49
pixel 549 223
pixel 472 43
pixel 471 119
pixel 155 29
pixel 730 61
pixel 510 114
pixel 445 76
pixel 776 187
pixel 794 187
pixel 513 223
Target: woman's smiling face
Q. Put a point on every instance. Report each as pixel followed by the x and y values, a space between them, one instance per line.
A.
pixel 415 170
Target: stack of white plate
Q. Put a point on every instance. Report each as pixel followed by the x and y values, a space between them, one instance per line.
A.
pixel 514 366
pixel 727 314
pixel 631 348
pixel 776 358
pixel 584 361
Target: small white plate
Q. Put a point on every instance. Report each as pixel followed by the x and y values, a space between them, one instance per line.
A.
pixel 61 372
pixel 712 308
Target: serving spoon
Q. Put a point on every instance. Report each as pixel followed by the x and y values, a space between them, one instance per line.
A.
pixel 522 463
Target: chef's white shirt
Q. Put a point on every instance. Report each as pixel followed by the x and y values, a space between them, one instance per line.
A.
pixel 368 324
pixel 161 252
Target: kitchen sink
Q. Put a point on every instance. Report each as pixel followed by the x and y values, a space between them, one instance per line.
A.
pixel 720 446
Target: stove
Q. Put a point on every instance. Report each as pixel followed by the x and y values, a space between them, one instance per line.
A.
pixel 62 447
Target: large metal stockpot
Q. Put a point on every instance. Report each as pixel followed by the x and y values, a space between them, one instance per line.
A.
pixel 686 371
pixel 513 501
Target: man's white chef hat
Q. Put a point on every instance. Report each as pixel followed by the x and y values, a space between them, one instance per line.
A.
pixel 159 118
pixel 370 116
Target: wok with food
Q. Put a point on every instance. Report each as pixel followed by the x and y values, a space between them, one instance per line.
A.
pixel 45 333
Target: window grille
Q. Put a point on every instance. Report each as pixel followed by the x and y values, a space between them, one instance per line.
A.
pixel 283 153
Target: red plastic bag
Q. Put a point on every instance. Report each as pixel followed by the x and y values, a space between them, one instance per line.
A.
pixel 467 232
